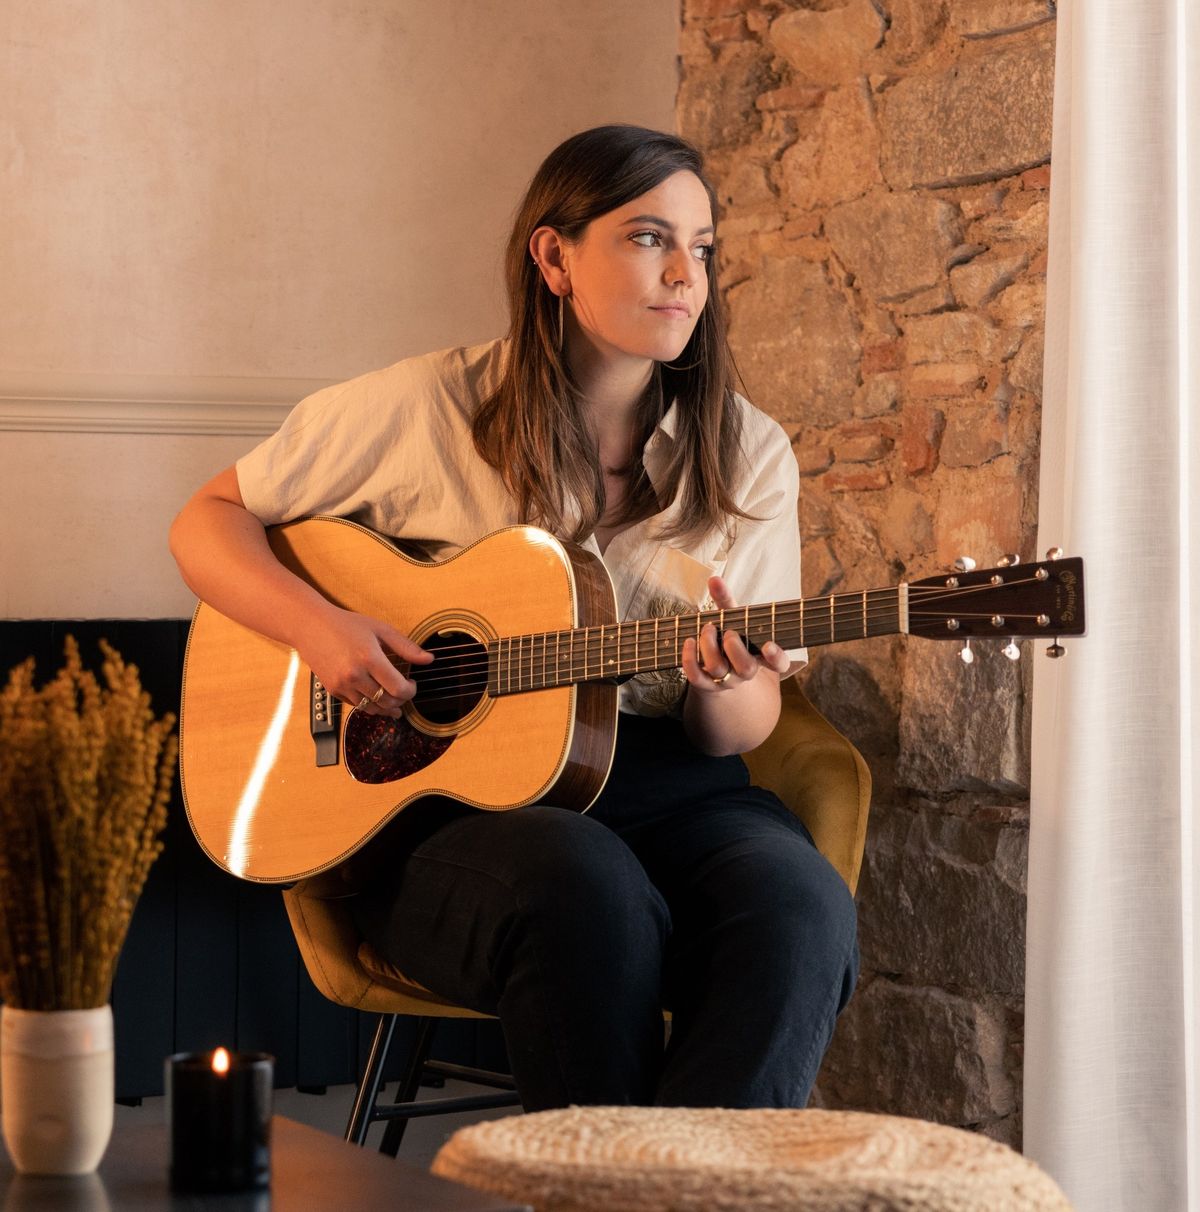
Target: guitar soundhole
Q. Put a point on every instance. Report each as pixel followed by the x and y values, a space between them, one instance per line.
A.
pixel 382 750
pixel 450 687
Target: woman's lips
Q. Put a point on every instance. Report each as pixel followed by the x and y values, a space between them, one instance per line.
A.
pixel 674 311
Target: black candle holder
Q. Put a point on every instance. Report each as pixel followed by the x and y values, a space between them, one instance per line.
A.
pixel 219 1120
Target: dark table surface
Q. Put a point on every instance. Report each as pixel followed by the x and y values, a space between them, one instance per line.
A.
pixel 310 1170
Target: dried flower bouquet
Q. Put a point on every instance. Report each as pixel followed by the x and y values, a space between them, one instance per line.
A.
pixel 85 776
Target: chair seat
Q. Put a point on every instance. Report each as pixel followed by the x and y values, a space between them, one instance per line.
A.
pixel 677 1159
pixel 390 977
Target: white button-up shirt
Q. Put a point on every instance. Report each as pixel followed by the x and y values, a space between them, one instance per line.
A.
pixel 393 451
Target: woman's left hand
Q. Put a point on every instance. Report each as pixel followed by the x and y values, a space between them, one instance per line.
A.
pixel 715 664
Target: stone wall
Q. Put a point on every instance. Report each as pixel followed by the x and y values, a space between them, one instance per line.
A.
pixel 884 171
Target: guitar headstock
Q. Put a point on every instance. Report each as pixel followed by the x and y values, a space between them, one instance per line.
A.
pixel 1038 598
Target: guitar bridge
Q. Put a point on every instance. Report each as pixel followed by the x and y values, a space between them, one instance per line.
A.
pixel 324 719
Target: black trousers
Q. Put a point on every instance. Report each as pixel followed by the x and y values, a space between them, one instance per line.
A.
pixel 684 887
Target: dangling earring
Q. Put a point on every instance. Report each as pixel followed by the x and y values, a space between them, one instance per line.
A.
pixel 560 323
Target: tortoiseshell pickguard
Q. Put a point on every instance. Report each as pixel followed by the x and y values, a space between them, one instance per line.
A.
pixel 381 750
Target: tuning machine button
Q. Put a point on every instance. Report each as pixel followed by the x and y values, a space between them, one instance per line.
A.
pixel 964 564
pixel 1011 650
pixel 1055 651
pixel 968 657
pixel 1007 561
pixel 1054 553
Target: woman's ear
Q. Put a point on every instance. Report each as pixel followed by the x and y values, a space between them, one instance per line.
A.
pixel 549 252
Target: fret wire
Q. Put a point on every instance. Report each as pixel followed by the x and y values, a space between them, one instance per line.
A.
pixel 880 607
pixel 877 612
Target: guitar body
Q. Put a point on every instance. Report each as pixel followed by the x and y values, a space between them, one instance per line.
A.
pixel 280 785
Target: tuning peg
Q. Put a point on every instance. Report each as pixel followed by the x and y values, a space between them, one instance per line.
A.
pixel 1011 650
pixel 1008 561
pixel 964 564
pixel 968 657
pixel 1055 651
pixel 1054 553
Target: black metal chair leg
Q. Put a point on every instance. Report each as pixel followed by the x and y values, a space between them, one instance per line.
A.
pixel 368 1088
pixel 393 1134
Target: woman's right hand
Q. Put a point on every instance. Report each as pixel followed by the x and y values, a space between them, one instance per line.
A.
pixel 354 656
pixel 223 553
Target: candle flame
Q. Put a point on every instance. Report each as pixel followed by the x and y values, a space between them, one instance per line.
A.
pixel 220 1061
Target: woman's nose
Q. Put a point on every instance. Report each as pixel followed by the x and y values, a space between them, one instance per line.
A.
pixel 684 268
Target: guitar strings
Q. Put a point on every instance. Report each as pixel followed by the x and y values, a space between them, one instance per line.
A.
pixel 527 657
pixel 848 606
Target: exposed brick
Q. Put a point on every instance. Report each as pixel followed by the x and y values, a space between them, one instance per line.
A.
pixel 759 20
pixel 945 379
pixel 1036 178
pixel 706 10
pixel 791 97
pixel 813 458
pixel 920 435
pixel 802 225
pixel 886 355
pixel 863 448
pixel 983 279
pixel 855 479
pixel 726 29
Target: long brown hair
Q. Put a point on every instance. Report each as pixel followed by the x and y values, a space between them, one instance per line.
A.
pixel 532 429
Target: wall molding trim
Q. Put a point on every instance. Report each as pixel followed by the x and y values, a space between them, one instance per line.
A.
pixel 52 402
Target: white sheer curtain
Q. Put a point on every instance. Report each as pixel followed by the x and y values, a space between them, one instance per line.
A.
pixel 1111 1029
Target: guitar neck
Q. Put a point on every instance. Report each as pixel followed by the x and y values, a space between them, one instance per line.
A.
pixel 619 650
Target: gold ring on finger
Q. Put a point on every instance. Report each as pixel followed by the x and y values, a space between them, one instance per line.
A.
pixel 364 702
pixel 722 679
pixel 375 698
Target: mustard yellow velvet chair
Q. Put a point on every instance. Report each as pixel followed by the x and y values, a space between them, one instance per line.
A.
pixel 805 761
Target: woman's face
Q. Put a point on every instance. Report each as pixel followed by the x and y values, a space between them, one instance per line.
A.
pixel 638 275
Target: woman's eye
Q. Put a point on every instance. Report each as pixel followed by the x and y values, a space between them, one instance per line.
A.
pixel 647 239
pixel 704 252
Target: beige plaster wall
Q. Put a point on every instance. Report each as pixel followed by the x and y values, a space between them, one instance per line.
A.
pixel 236 194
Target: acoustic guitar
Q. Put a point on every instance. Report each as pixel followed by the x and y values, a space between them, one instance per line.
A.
pixel 519 706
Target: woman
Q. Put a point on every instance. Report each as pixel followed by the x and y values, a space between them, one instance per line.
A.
pixel 607 416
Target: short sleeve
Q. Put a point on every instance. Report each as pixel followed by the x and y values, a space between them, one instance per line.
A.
pixel 341 451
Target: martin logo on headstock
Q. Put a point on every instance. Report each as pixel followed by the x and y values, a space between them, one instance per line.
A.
pixel 1013 599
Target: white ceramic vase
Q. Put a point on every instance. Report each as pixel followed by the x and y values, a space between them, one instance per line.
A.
pixel 56 1088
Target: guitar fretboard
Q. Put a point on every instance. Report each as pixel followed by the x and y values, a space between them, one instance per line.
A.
pixel 546 659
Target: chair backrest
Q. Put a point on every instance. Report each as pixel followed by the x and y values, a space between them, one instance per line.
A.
pixel 813 769
pixel 820 776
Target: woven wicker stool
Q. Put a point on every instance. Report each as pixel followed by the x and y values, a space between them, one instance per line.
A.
pixel 676 1159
